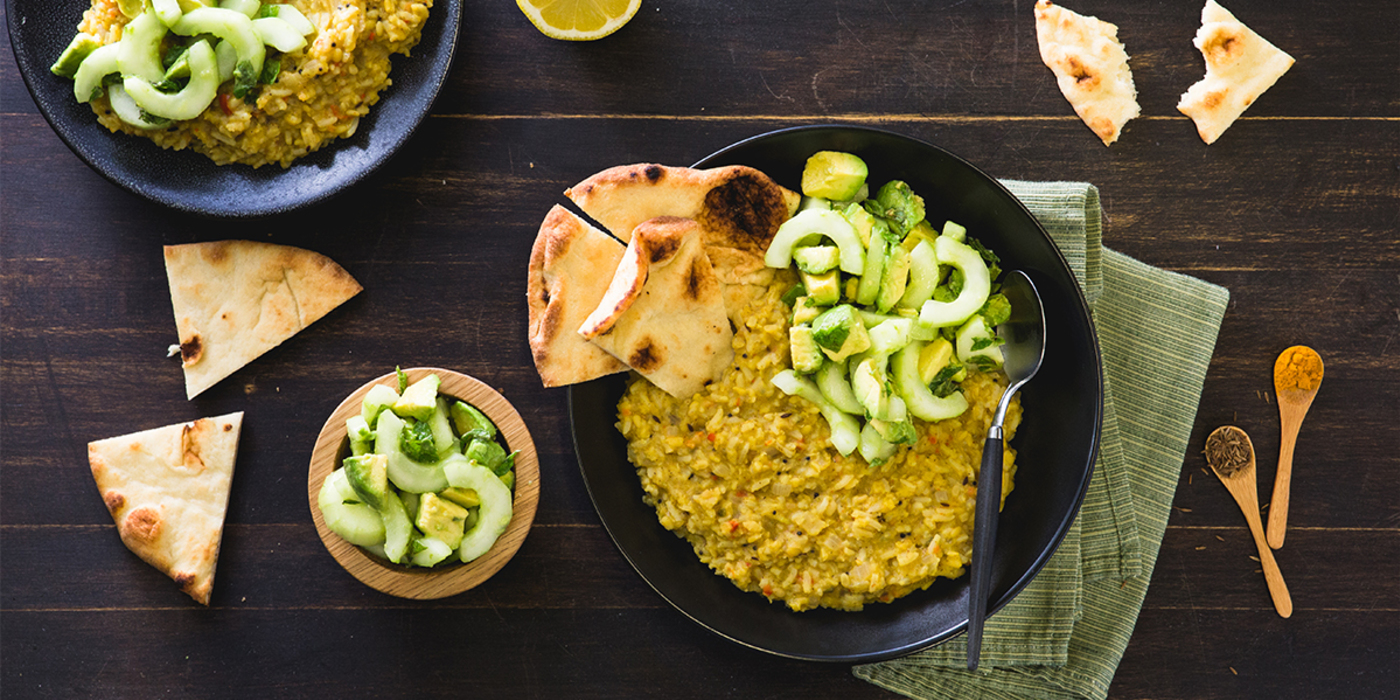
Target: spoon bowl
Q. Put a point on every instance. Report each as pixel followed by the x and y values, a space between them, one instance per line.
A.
pixel 1230 454
pixel 1295 386
pixel 1024 333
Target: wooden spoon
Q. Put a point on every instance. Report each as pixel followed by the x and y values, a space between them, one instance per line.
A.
pixel 1231 456
pixel 1295 390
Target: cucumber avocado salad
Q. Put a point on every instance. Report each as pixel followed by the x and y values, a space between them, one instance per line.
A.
pixel 427 481
pixel 174 54
pixel 889 314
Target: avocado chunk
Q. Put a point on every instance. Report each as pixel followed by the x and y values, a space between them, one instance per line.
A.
pixel 369 477
pixel 895 279
pixel 419 400
pixel 466 418
pixel 933 358
pixel 874 271
pixel 78 49
pixel 487 453
pixel 833 175
pixel 862 221
pixel 898 204
pixel 816 259
pixel 823 289
pixel 806 356
pixel 840 333
pixel 467 498
pixel 441 518
pixel 804 310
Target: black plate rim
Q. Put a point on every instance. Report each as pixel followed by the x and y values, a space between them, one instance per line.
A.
pixel 1061 529
pixel 437 62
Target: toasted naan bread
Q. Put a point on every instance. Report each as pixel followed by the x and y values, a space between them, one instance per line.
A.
pixel 1240 66
pixel 663 313
pixel 737 207
pixel 1090 66
pixel 571 265
pixel 235 300
pixel 167 489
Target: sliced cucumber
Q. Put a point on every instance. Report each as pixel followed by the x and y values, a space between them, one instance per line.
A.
pixel 920 401
pixel 191 100
pixel 443 440
pixel 978 344
pixel 835 385
pixel 291 15
pixel 808 227
pixel 406 474
pixel 167 11
pixel 874 447
pixel 431 551
pixel 247 8
pixel 228 60
pixel 237 29
pixel 873 272
pixel 129 112
pixel 279 34
pixel 379 397
pixel 494 513
pixel 357 523
pixel 977 285
pixel 923 276
pixel 102 62
pixel 140 48
pixel 397 528
pixel 845 429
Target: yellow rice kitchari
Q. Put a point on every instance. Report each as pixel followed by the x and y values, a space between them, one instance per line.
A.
pixel 320 95
pixel 748 476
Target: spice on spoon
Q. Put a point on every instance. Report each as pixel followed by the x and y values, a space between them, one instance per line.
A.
pixel 1299 368
pixel 1297 377
pixel 1228 451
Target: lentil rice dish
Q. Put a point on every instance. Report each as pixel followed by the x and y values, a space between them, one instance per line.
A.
pixel 748 476
pixel 320 95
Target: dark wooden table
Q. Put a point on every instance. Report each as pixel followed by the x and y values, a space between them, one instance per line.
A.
pixel 1296 210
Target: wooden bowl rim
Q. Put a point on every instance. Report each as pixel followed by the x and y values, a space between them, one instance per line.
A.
pixel 424 584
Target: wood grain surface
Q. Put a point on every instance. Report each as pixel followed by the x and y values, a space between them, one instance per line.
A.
pixel 1296 210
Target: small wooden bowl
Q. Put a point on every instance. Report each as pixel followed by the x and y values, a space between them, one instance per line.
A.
pixel 332 446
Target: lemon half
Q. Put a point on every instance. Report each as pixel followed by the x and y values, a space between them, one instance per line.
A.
pixel 579 20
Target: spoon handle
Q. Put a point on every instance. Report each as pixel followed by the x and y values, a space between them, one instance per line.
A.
pixel 984 536
pixel 1278 590
pixel 1278 504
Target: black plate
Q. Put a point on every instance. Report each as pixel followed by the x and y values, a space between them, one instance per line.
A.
pixel 189 181
pixel 1056 442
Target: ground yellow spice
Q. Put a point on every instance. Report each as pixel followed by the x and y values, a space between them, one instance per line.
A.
pixel 1298 368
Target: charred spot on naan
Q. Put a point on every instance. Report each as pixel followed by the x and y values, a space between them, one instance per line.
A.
pixel 744 212
pixel 647 357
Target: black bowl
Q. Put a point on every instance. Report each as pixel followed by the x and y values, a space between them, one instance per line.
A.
pixel 1056 442
pixel 189 181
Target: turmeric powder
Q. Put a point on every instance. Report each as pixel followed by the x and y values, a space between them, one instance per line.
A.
pixel 1298 368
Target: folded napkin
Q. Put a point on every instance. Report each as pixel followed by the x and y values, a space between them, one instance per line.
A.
pixel 1064 634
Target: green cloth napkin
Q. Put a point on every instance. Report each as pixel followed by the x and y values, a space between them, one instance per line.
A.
pixel 1063 636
